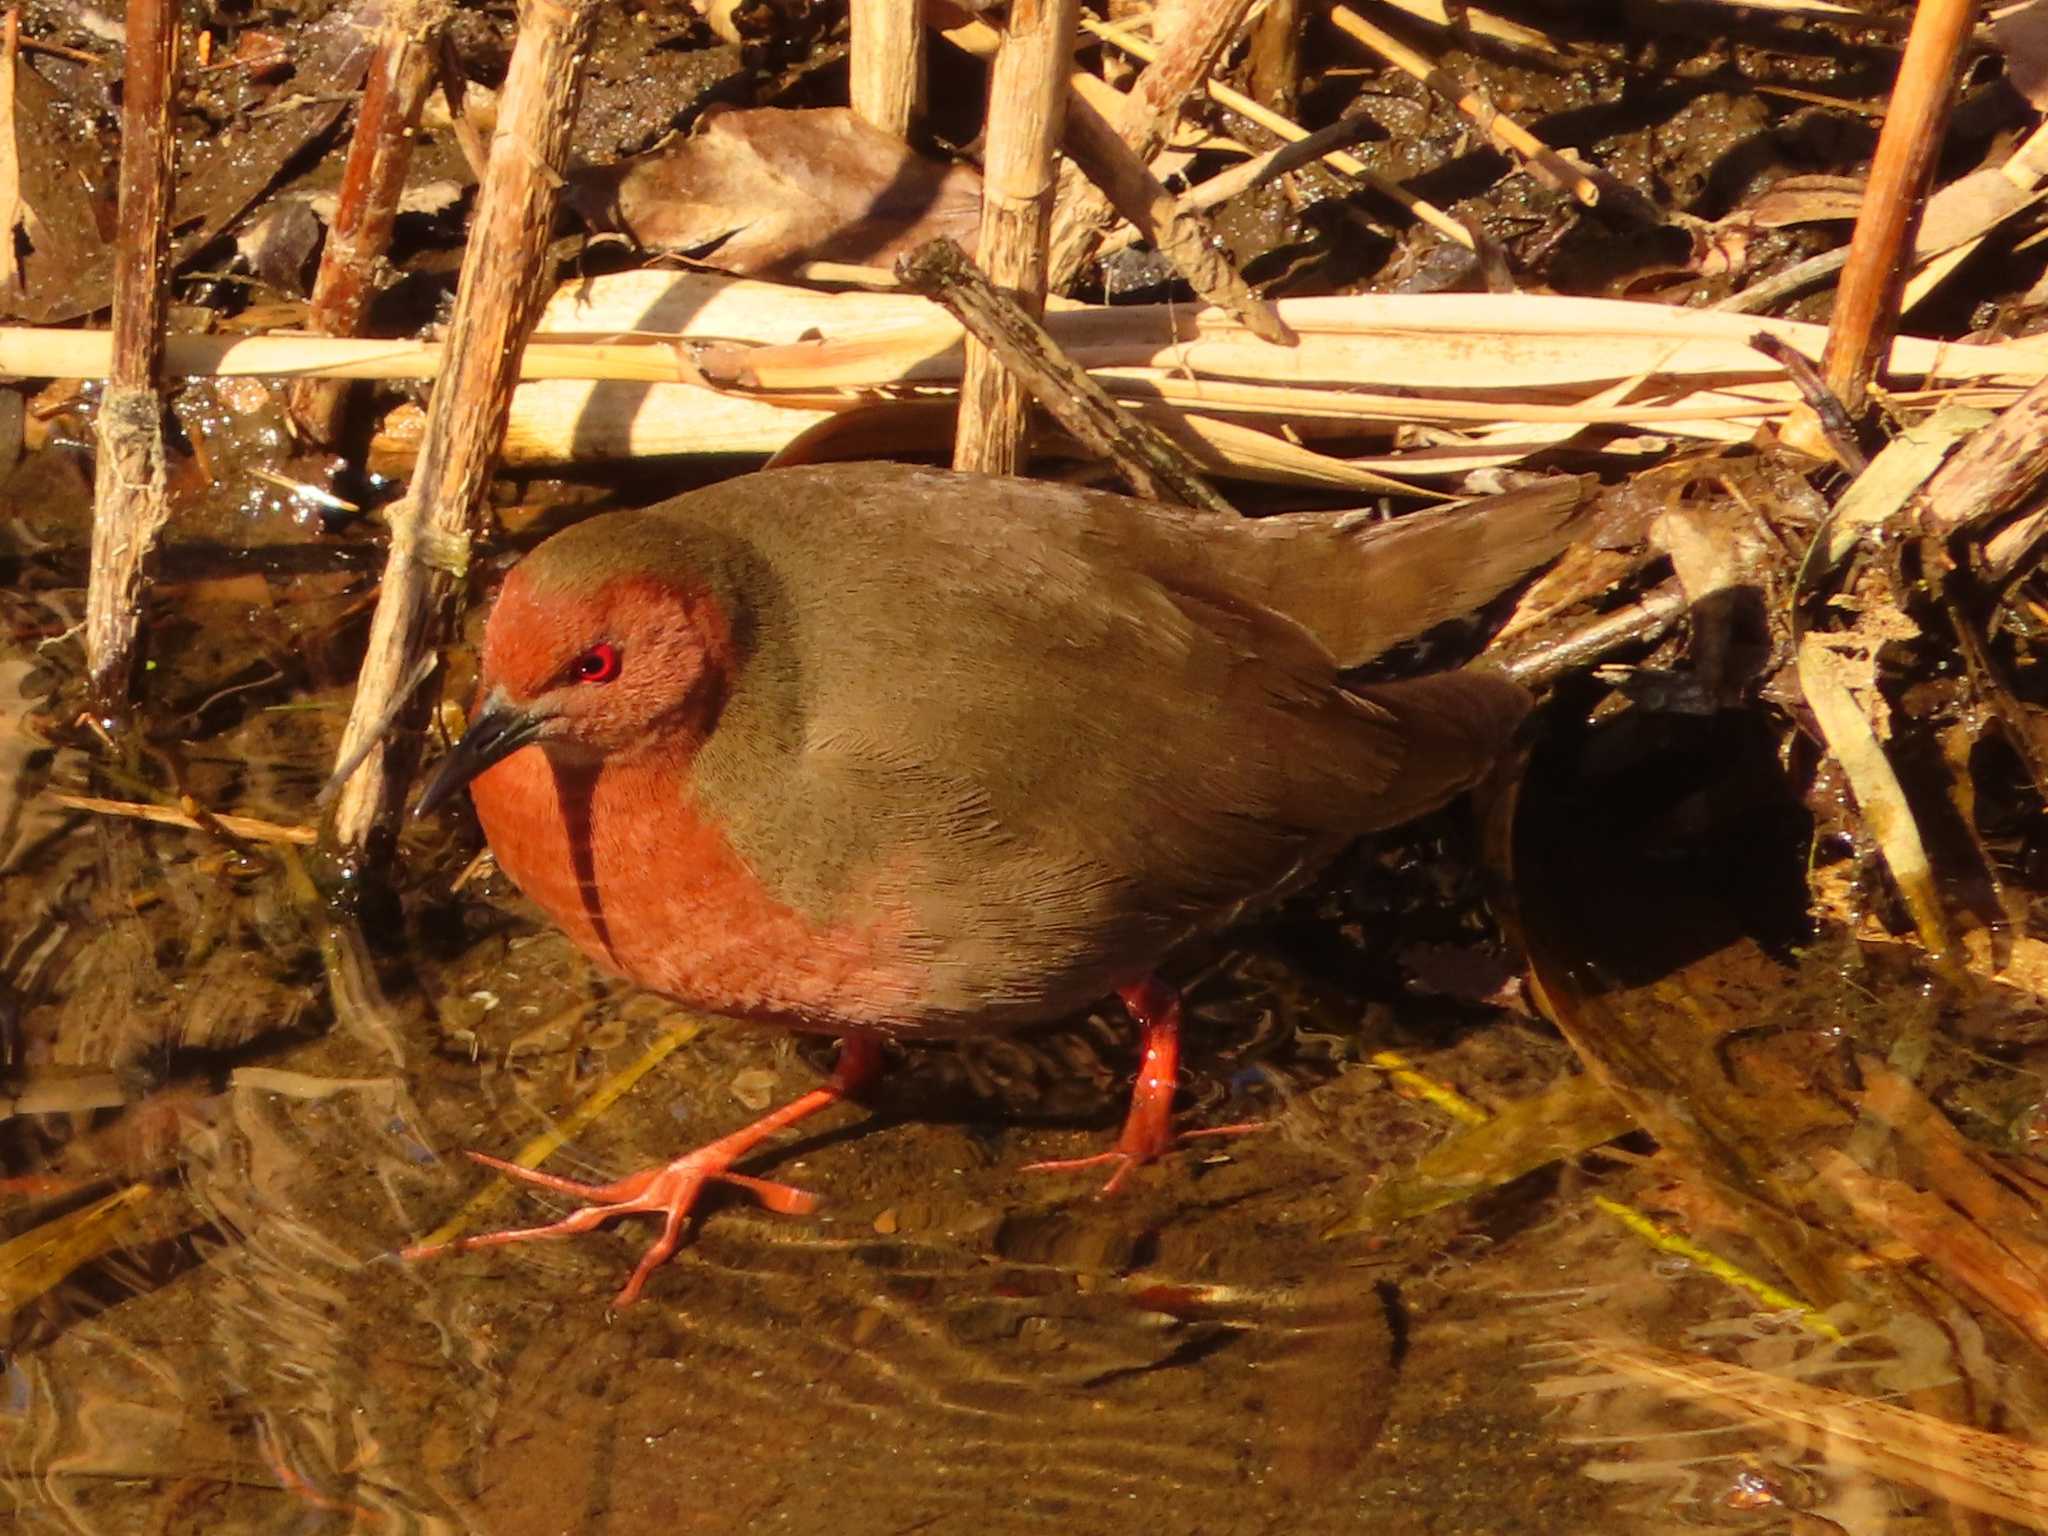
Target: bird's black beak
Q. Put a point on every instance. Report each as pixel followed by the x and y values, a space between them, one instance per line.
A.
pixel 499 729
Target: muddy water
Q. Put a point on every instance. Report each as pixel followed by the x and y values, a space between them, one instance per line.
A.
pixel 949 1344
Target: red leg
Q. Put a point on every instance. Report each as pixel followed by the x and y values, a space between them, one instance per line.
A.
pixel 672 1189
pixel 1148 1128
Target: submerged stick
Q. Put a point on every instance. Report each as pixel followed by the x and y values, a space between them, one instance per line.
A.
pixel 497 301
pixel 1027 99
pixel 130 502
pixel 379 156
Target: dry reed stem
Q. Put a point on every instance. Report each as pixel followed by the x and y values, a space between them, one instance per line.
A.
pixel 1867 307
pixel 886 75
pixel 1027 100
pixel 498 298
pixel 379 156
pixel 1510 135
pixel 130 504
pixel 1155 466
pixel 1195 38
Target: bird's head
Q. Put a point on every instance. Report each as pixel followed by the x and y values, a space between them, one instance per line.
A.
pixel 591 652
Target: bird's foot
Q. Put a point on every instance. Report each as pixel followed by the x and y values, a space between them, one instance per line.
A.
pixel 1148 1129
pixel 669 1190
pixel 1134 1151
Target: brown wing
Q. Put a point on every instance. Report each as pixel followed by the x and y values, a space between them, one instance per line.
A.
pixel 1056 761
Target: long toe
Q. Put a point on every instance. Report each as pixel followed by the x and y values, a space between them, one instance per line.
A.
pixel 668 1190
pixel 1135 1148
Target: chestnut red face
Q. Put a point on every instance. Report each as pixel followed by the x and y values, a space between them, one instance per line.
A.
pixel 590 674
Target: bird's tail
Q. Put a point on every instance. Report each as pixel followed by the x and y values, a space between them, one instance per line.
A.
pixel 1455 725
pixel 1363 587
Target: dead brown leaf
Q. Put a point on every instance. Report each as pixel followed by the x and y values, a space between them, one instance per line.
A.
pixel 764 191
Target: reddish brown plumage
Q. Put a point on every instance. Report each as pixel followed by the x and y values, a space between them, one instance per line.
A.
pixel 886 751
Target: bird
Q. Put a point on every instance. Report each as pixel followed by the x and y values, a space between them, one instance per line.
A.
pixel 892 753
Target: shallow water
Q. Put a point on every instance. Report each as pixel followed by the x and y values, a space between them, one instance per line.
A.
pixel 949 1344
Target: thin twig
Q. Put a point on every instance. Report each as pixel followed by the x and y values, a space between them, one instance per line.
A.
pixel 1180 234
pixel 1201 31
pixel 1236 101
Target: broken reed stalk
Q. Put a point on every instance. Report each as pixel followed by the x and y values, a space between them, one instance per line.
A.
pixel 1867 304
pixel 1179 233
pixel 1993 473
pixel 1155 466
pixel 1201 31
pixel 1509 135
pixel 497 300
pixel 887 64
pixel 1273 60
pixel 1027 100
pixel 130 501
pixel 379 156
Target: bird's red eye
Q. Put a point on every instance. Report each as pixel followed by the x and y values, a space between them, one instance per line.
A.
pixel 599 664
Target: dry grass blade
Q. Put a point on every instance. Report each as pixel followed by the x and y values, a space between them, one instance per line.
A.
pixel 1994 1474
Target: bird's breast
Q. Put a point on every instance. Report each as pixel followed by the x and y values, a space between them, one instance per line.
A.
pixel 629 865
